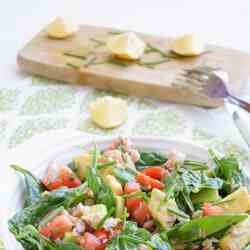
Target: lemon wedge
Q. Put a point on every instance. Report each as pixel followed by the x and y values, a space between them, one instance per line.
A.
pixel 109 112
pixel 126 46
pixel 61 28
pixel 188 45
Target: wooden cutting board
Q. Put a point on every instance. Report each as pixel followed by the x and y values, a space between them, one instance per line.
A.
pixel 46 57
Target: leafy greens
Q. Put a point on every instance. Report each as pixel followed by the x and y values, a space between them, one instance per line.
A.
pixel 33 187
pixel 101 190
pixel 228 169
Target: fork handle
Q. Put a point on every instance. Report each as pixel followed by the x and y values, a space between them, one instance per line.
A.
pixel 236 101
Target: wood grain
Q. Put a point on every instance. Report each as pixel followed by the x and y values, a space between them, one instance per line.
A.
pixel 45 57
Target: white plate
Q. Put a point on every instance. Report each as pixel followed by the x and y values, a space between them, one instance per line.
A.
pixel 64 152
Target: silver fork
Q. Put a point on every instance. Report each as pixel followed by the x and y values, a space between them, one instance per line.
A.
pixel 212 83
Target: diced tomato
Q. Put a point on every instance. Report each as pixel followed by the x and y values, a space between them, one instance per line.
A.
pixel 103 235
pixel 68 177
pixel 148 182
pixel 53 185
pixel 209 209
pixel 57 227
pixel 155 172
pixel 51 180
pixel 132 187
pixel 63 176
pixel 133 203
pixel 141 214
pixel 45 231
pixel 91 242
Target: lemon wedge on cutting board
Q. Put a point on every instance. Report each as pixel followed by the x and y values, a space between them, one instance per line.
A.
pixel 188 45
pixel 61 27
pixel 109 112
pixel 126 46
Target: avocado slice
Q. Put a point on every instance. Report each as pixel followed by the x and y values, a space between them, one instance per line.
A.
pixel 69 237
pixel 119 212
pixel 205 195
pixel 238 236
pixel 94 214
pixel 82 164
pixel 114 184
pixel 159 205
pixel 236 202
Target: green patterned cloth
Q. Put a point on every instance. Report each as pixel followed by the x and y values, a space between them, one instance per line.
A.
pixel 37 105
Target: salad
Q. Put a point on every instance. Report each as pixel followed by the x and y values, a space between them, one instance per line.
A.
pixel 122 198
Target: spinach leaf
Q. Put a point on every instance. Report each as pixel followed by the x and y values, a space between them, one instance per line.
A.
pixel 33 187
pixel 228 169
pixel 187 182
pixel 51 200
pixel 195 181
pixel 123 175
pixel 150 159
pixel 67 246
pixel 101 190
pixel 183 200
pixel 131 237
pixel 247 247
pixel 201 228
pixel 132 228
pixel 30 238
pixel 176 189
pixel 195 165
pixel 159 243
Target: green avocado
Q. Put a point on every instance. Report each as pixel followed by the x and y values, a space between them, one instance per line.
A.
pixel 69 237
pixel 205 195
pixel 119 212
pixel 159 205
pixel 234 239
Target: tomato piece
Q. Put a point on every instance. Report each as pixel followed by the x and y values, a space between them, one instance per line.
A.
pixel 131 187
pixel 68 177
pixel 141 214
pixel 103 235
pixel 138 209
pixel 133 203
pixel 91 242
pixel 59 177
pixel 45 231
pixel 148 182
pixel 51 180
pixel 56 228
pixel 59 226
pixel 53 185
pixel 155 172
pixel 209 209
